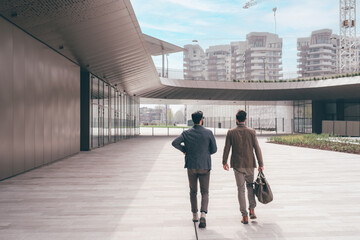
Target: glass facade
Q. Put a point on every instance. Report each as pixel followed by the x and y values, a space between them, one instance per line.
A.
pixel 262 115
pixel 352 110
pixel 303 116
pixel 114 115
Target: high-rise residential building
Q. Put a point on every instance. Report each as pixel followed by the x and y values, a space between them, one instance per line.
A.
pixel 194 62
pixel 263 56
pixel 257 58
pixel 218 63
pixel 238 60
pixel 317 54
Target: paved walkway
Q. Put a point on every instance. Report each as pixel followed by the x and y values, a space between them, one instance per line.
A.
pixel 137 189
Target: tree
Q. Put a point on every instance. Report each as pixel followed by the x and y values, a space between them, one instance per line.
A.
pixel 179 117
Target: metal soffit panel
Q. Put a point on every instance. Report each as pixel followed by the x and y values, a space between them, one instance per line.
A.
pixel 211 90
pixel 158 47
pixel 100 35
pixel 105 37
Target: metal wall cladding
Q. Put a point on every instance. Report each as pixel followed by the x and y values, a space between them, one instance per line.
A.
pixel 39 103
pixel 6 96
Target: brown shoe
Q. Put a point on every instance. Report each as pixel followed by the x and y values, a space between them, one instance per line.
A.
pixel 252 214
pixel 245 220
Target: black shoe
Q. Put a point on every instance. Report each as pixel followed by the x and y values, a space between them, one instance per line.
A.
pixel 202 223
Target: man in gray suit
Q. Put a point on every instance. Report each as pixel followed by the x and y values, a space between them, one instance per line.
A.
pixel 197 143
pixel 243 142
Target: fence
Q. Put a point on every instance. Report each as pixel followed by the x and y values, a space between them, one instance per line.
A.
pixel 341 128
pixel 262 127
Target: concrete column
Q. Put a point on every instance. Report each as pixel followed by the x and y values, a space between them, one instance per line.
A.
pixel 318 114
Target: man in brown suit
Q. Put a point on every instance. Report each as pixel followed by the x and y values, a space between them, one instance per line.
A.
pixel 243 141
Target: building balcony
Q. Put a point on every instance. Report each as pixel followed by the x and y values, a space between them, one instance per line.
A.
pixel 256 54
pixel 321 71
pixel 324 51
pixel 321 45
pixel 324 57
pixel 320 64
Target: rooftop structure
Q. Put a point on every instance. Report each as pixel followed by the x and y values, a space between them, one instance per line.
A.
pixel 318 54
pixel 263 57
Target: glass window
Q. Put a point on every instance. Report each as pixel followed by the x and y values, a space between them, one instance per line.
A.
pixel 94 112
pixel 106 113
pixel 113 115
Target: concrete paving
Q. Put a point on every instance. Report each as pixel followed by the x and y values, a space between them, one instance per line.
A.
pixel 137 189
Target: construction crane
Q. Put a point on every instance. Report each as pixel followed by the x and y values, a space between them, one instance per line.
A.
pixel 250 4
pixel 254 2
pixel 348 55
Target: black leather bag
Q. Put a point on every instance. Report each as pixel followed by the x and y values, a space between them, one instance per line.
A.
pixel 262 189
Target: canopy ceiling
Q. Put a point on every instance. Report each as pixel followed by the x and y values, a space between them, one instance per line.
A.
pixel 104 37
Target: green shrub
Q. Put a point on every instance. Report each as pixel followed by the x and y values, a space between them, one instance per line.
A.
pixel 319 141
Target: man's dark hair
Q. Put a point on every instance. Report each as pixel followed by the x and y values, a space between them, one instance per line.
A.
pixel 197 116
pixel 241 116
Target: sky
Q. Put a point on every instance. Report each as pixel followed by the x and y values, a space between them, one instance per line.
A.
pixel 215 22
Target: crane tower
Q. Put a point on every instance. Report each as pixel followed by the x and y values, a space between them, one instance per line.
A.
pixel 348 55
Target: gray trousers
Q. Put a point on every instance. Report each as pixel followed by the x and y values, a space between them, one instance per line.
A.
pixel 242 177
pixel 204 178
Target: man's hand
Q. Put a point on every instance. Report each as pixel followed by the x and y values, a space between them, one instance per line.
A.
pixel 261 169
pixel 184 153
pixel 226 167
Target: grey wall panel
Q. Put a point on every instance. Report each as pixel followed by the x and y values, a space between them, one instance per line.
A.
pixel 353 128
pixel 30 104
pixel 76 97
pixel 47 108
pixel 6 108
pixel 340 128
pixel 68 111
pixel 55 120
pixel 72 115
pixel 61 111
pixel 39 105
pixel 19 102
pixel 328 127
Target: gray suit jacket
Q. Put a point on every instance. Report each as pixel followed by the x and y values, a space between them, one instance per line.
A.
pixel 198 144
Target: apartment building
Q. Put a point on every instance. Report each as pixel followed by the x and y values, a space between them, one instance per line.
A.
pixel 218 63
pixel 238 59
pixel 263 56
pixel 194 62
pixel 317 54
pixel 257 58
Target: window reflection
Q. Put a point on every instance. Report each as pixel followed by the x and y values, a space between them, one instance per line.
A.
pixel 114 115
pixel 303 116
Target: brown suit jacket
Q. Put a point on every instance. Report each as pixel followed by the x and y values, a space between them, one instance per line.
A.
pixel 242 140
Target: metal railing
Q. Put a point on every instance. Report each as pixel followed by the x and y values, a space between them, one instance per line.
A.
pixel 262 126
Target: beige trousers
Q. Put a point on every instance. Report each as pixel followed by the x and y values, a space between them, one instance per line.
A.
pixel 243 177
